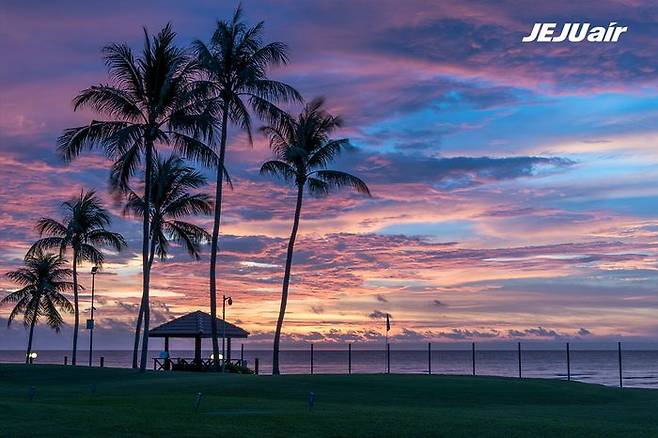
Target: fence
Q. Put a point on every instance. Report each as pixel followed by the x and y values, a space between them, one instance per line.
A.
pixel 524 363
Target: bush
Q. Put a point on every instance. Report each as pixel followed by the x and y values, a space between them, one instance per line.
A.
pixel 238 369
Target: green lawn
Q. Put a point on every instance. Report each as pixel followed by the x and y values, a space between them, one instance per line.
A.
pixel 126 403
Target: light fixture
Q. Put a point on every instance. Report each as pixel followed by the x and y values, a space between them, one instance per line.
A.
pixel 90 322
pixel 212 356
pixel 32 355
pixel 225 300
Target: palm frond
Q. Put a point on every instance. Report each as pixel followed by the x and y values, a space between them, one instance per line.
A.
pixel 317 187
pixel 134 205
pixel 189 235
pixel 96 134
pixel 188 205
pixel 47 225
pixel 20 307
pixel 123 68
pixel 327 153
pixel 53 317
pixel 274 54
pixel 23 276
pixel 88 253
pixel 194 149
pixel 124 168
pixel 239 114
pixel 48 244
pixel 274 91
pixel 109 100
pixel 16 296
pixel 279 169
pixel 266 110
pixel 337 179
pixel 109 239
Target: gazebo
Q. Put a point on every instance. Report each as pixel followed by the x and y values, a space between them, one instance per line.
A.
pixel 195 325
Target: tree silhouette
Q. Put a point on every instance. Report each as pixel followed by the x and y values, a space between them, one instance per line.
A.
pixel 171 201
pixel 303 149
pixel 152 100
pixel 83 230
pixel 44 280
pixel 236 63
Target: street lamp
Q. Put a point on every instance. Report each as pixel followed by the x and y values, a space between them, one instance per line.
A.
pixel 225 299
pixel 90 322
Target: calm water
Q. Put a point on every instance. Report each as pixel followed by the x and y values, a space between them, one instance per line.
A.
pixel 640 368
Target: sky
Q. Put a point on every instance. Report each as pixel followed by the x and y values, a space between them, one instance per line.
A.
pixel 514 185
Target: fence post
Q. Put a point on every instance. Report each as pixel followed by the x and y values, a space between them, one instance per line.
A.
pixel 519 347
pixel 311 358
pixel 621 383
pixel 349 358
pixel 429 358
pixel 568 364
pixel 256 366
pixel 388 358
pixel 473 354
pixel 102 361
pixel 66 360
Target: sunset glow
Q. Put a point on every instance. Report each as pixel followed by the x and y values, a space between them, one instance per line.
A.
pixel 514 186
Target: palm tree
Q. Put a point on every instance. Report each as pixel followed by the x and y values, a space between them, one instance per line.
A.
pixel 153 99
pixel 84 231
pixel 236 63
pixel 171 202
pixel 303 149
pixel 44 280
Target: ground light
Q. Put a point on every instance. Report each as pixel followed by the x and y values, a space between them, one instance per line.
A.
pixel 32 355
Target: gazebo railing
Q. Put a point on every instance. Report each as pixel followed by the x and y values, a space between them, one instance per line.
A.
pixel 191 364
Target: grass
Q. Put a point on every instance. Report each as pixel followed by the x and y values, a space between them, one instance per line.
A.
pixel 126 403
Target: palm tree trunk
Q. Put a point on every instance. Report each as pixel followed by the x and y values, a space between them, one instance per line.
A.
pixel 76 324
pixel 29 340
pixel 146 237
pixel 286 281
pixel 138 330
pixel 215 237
pixel 140 315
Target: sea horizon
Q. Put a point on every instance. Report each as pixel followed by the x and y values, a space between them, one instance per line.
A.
pixel 640 367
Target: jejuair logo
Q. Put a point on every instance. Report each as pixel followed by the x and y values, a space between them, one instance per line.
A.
pixel 575 32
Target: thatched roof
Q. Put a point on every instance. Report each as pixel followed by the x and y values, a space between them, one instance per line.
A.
pixel 196 324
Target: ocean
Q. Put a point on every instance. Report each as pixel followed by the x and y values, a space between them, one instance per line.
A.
pixel 640 368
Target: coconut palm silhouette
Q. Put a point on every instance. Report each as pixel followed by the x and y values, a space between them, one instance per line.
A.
pixel 171 201
pixel 154 99
pixel 303 149
pixel 83 231
pixel 44 280
pixel 236 63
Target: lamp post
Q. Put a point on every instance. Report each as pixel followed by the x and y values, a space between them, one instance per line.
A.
pixel 225 299
pixel 90 322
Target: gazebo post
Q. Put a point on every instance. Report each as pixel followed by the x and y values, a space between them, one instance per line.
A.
pixel 228 350
pixel 166 349
pixel 197 349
